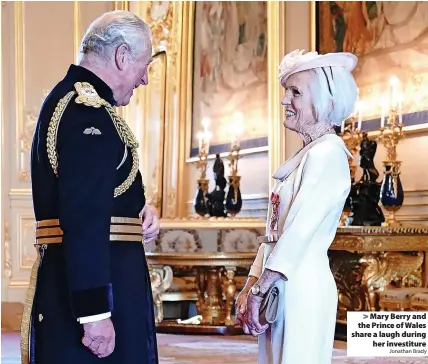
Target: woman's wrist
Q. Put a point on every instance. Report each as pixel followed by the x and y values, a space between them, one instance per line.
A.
pixel 250 282
pixel 268 278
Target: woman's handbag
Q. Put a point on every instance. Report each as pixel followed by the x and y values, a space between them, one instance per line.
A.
pixel 270 304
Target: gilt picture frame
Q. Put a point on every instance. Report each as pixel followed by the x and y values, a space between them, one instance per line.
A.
pixel 222 84
pixel 383 51
pixel 153 107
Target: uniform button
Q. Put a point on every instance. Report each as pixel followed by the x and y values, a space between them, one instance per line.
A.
pixel 40 317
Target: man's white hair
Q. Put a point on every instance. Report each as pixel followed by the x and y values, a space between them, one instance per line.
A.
pixel 112 29
pixel 334 93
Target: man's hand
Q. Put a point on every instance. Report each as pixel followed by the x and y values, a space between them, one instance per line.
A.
pixel 150 224
pixel 99 337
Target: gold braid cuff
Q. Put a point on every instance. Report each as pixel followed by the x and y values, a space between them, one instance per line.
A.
pixel 87 96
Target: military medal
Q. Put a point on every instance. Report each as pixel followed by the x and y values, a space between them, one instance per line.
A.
pixel 275 201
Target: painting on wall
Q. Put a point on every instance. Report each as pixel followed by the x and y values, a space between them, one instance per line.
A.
pixel 391 41
pixel 230 87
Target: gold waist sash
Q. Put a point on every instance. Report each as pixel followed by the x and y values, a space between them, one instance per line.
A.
pixel 121 229
pixel 49 232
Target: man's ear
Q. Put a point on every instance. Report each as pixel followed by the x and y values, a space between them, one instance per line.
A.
pixel 121 56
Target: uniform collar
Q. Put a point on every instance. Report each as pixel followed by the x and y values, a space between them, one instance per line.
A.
pixel 294 161
pixel 81 74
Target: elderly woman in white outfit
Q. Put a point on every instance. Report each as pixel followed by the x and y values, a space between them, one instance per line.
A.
pixel 304 212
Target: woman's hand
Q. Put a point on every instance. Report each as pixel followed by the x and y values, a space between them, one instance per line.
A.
pixel 252 324
pixel 241 301
pixel 251 318
pixel 240 305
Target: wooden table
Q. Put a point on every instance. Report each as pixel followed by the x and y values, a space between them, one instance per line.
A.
pixel 364 261
pixel 215 278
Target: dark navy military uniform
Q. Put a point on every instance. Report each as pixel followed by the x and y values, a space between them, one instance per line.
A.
pixel 87 196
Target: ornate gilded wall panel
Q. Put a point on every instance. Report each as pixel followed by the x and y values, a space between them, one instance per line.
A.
pixel 157 107
pixel 153 131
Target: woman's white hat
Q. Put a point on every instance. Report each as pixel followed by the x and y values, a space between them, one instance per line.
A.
pixel 296 61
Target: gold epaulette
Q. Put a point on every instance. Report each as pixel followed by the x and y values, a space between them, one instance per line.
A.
pixel 87 95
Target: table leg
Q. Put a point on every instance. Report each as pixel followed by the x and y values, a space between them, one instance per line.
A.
pixel 212 308
pixel 382 269
pixel 161 279
pixel 229 290
pixel 201 282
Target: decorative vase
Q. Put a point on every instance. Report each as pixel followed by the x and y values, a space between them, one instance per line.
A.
pixel 202 202
pixel 234 198
pixel 391 192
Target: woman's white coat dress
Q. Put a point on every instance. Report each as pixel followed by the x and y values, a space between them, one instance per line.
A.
pixel 313 186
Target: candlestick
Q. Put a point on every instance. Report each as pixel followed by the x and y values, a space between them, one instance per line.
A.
pixel 392 195
pixel 234 199
pixel 201 200
pixel 352 138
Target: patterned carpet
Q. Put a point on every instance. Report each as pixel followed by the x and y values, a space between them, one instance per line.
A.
pixel 178 349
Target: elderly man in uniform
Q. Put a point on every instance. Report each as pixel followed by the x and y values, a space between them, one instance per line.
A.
pixel 90 293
